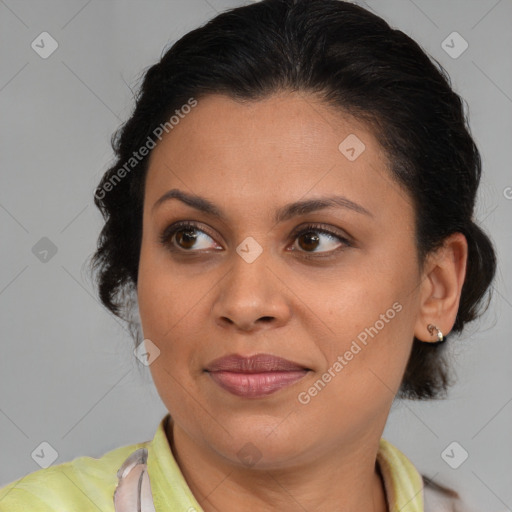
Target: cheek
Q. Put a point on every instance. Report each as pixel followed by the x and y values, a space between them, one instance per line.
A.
pixel 165 306
pixel 371 315
pixel 172 307
pixel 165 295
pixel 152 296
pixel 364 364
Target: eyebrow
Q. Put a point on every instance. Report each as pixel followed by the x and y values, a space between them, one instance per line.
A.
pixel 284 213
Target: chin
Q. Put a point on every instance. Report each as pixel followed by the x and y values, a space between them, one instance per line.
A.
pixel 261 445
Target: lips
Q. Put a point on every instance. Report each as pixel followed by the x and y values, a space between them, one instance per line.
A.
pixel 255 376
pixel 255 364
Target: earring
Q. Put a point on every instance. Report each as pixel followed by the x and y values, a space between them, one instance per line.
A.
pixel 440 338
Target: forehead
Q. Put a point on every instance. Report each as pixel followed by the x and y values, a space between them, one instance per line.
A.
pixel 273 149
pixel 297 122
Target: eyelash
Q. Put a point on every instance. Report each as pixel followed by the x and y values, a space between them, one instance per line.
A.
pixel 170 231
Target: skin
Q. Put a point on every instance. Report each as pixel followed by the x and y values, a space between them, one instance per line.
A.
pixel 250 159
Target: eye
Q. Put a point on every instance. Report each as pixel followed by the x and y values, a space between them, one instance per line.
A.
pixel 185 236
pixel 314 238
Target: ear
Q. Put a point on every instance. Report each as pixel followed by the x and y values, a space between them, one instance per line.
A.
pixel 441 284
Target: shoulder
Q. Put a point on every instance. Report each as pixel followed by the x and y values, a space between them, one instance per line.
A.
pixel 85 483
pixel 438 498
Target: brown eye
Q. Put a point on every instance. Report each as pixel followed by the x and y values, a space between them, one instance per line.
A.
pixel 315 239
pixel 310 241
pixel 186 237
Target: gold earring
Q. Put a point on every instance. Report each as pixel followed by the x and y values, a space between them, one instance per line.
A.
pixel 431 328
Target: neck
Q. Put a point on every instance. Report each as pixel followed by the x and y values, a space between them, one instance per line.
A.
pixel 339 480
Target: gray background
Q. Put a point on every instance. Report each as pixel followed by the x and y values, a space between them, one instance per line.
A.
pixel 67 374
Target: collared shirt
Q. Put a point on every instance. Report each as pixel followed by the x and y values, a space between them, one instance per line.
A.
pixel 88 484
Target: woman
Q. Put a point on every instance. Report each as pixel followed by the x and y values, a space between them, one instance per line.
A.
pixel 291 216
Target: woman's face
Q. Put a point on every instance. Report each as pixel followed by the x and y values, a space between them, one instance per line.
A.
pixel 341 305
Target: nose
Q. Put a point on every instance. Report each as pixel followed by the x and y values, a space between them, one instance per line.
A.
pixel 252 296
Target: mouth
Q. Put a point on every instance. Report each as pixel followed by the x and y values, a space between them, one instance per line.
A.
pixel 255 376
